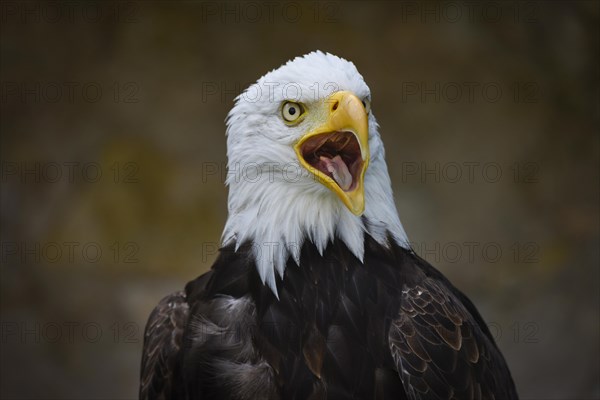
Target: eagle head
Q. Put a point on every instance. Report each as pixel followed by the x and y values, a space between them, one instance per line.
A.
pixel 306 163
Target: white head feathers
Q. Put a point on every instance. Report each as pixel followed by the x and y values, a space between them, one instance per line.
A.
pixel 274 202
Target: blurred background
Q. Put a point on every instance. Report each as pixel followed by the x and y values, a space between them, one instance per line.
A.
pixel 113 154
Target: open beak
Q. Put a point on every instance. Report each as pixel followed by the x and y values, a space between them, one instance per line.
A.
pixel 337 152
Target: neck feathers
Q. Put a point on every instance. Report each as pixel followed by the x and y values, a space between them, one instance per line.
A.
pixel 277 216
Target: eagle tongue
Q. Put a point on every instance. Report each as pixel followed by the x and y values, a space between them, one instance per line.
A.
pixel 338 168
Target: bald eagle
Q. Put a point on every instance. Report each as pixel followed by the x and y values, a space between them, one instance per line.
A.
pixel 316 293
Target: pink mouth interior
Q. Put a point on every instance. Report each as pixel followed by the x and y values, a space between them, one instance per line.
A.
pixel 337 155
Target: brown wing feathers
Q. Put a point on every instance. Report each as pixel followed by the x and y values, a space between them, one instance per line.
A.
pixel 440 351
pixel 162 341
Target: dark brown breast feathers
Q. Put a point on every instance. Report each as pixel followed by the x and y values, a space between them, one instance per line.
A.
pixel 389 328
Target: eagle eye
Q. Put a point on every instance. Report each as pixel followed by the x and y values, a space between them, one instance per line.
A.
pixel 291 111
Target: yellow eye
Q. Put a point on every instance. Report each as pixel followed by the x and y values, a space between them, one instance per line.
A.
pixel 291 111
pixel 367 105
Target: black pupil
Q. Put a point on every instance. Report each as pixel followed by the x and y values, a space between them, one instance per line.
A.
pixel 292 110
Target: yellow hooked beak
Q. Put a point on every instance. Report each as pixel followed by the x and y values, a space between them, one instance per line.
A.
pixel 337 151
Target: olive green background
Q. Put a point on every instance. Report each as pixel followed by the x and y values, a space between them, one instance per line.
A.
pixel 489 113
